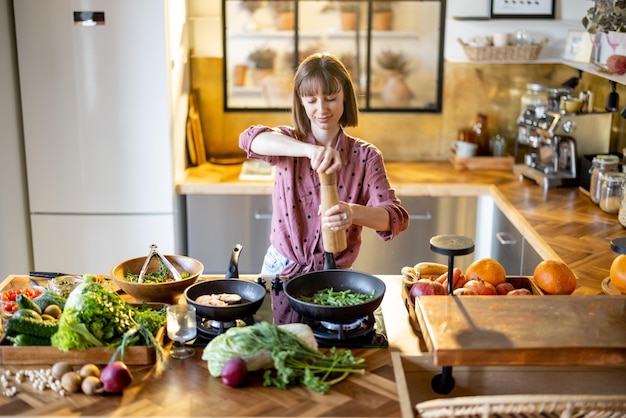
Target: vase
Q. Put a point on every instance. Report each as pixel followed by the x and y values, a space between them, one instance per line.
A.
pixel 285 21
pixel 348 21
pixel 260 74
pixel 395 91
pixel 239 78
pixel 382 21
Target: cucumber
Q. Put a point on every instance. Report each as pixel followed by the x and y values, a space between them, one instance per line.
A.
pixel 25 339
pixel 47 298
pixel 37 328
pixel 26 313
pixel 24 302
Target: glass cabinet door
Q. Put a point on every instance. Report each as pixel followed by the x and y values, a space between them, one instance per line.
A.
pixel 393 50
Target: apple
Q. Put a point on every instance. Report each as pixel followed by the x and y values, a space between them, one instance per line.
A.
pixel 426 287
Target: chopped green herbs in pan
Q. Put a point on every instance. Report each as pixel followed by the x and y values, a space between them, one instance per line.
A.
pixel 330 297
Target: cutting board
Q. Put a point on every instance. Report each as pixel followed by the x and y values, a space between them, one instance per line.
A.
pixel 524 330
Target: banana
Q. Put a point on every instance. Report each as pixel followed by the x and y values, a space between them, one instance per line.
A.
pixel 430 270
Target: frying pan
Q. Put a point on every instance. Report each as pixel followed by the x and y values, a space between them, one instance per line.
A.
pixel 252 294
pixel 339 280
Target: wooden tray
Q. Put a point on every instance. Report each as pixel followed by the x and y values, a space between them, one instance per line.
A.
pixel 549 330
pixel 482 163
pixel 37 355
pixel 414 374
pixel 518 282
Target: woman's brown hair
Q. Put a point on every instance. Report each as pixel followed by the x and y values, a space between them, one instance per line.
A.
pixel 326 74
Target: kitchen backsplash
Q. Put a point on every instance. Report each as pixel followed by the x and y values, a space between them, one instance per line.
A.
pixel 469 88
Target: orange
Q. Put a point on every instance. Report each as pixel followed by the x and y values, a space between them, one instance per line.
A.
pixel 555 278
pixel 617 273
pixel 487 269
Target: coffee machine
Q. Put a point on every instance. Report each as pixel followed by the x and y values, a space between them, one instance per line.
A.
pixel 550 142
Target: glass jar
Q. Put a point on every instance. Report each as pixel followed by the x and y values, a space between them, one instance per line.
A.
pixel 535 98
pixel 601 164
pixel 611 191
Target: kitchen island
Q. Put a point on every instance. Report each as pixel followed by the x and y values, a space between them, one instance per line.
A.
pixel 558 223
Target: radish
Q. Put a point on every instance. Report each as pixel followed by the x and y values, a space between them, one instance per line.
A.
pixel 115 377
pixel 234 372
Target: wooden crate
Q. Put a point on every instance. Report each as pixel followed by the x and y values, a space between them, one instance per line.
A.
pixel 414 374
pixel 37 355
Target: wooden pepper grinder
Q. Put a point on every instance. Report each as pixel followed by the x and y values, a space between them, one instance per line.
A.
pixel 334 241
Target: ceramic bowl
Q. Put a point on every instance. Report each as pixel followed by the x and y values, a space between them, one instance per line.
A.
pixel 167 292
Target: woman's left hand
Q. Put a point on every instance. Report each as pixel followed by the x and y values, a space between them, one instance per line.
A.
pixel 337 217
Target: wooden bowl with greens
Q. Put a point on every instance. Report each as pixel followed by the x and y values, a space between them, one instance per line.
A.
pixel 158 284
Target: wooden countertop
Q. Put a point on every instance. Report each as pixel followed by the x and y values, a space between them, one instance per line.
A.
pixel 189 390
pixel 560 223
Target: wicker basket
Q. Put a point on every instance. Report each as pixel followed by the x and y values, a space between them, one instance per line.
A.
pixel 525 406
pixel 503 53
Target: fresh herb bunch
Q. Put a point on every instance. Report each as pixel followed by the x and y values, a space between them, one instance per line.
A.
pixel 95 317
pixel 289 360
pixel 162 275
pixel 330 297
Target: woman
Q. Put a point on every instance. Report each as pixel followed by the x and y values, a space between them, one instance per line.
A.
pixel 323 103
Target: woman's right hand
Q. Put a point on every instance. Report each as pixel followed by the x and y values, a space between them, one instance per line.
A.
pixel 325 160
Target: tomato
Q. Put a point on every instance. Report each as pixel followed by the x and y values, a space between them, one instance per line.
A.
pixel 11 294
pixel 9 307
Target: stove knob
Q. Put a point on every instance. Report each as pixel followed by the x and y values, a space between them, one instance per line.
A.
pixel 569 126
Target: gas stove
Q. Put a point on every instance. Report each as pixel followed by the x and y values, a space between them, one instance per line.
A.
pixel 368 332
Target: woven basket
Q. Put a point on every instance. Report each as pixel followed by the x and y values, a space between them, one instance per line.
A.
pixel 525 406
pixel 503 53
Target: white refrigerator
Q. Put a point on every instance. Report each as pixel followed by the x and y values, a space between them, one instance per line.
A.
pixel 103 90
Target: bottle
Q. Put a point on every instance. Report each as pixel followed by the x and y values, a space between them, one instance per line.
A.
pixel 481 135
pixel 601 164
pixel 611 192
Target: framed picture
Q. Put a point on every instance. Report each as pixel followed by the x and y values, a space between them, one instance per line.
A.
pixel 578 46
pixel 522 9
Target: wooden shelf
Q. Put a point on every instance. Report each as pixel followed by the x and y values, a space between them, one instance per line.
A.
pixel 591 69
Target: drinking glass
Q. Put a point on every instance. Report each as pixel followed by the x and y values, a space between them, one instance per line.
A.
pixel 596 41
pixel 181 327
pixel 614 39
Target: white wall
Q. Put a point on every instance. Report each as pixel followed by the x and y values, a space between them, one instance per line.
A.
pixel 15 253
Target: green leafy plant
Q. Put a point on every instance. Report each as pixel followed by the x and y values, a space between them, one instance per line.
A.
pixel 263 58
pixel 282 6
pixel 251 5
pixel 393 61
pixel 381 6
pixel 606 16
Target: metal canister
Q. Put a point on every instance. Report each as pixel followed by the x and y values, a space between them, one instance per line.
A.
pixel 600 165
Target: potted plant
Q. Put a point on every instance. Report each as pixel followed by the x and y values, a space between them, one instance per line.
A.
pixel 285 13
pixel 606 16
pixel 382 15
pixel 348 10
pixel 393 61
pixel 251 5
pixel 262 60
pixel 395 91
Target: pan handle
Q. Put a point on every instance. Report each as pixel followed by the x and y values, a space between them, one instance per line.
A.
pixel 233 265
